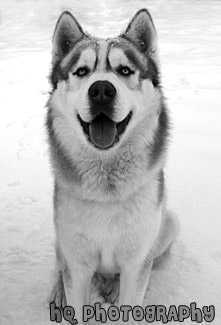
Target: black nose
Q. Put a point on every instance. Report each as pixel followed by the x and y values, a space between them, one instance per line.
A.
pixel 102 91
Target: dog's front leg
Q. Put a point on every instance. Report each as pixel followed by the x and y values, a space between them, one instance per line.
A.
pixel 77 283
pixel 133 284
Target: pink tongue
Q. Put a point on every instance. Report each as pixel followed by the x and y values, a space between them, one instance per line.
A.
pixel 102 131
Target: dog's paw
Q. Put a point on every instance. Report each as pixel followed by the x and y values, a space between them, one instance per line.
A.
pixel 58 293
pixel 110 289
pixel 106 288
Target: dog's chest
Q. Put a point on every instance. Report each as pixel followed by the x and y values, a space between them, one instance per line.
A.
pixel 126 236
pixel 111 234
pixel 117 241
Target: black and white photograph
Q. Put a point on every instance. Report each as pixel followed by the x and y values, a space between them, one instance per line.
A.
pixel 110 141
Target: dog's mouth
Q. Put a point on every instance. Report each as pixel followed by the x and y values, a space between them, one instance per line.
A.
pixel 103 132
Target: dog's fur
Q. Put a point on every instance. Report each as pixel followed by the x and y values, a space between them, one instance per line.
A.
pixel 109 195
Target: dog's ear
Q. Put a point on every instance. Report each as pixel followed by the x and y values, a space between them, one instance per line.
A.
pixel 67 33
pixel 142 33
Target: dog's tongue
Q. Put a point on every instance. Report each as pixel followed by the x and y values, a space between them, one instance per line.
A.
pixel 102 131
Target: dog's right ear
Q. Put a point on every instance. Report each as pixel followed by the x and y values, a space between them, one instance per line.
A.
pixel 67 33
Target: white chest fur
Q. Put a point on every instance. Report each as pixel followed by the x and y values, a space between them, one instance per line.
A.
pixel 108 234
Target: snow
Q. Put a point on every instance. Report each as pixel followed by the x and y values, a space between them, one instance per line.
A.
pixel 190 46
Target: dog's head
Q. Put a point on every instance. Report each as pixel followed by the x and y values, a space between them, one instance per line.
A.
pixel 104 88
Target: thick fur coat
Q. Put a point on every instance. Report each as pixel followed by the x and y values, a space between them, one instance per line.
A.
pixel 108 130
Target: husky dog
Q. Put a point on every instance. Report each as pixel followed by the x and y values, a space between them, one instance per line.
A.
pixel 108 131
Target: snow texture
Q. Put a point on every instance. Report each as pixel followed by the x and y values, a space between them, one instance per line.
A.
pixel 190 47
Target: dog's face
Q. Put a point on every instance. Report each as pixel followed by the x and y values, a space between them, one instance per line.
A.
pixel 102 89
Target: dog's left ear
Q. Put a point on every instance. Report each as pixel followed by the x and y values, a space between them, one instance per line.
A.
pixel 141 31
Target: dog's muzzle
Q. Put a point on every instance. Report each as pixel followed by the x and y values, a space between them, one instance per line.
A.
pixel 103 132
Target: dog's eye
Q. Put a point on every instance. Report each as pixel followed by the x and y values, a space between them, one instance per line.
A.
pixel 81 72
pixel 125 71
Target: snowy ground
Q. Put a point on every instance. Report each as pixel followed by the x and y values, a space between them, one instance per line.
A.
pixel 190 44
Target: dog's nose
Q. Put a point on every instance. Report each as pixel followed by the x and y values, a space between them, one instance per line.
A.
pixel 102 91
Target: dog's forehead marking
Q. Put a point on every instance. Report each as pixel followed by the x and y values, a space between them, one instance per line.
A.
pixel 75 54
pixel 102 54
pixel 128 53
pixel 87 58
pixel 117 57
